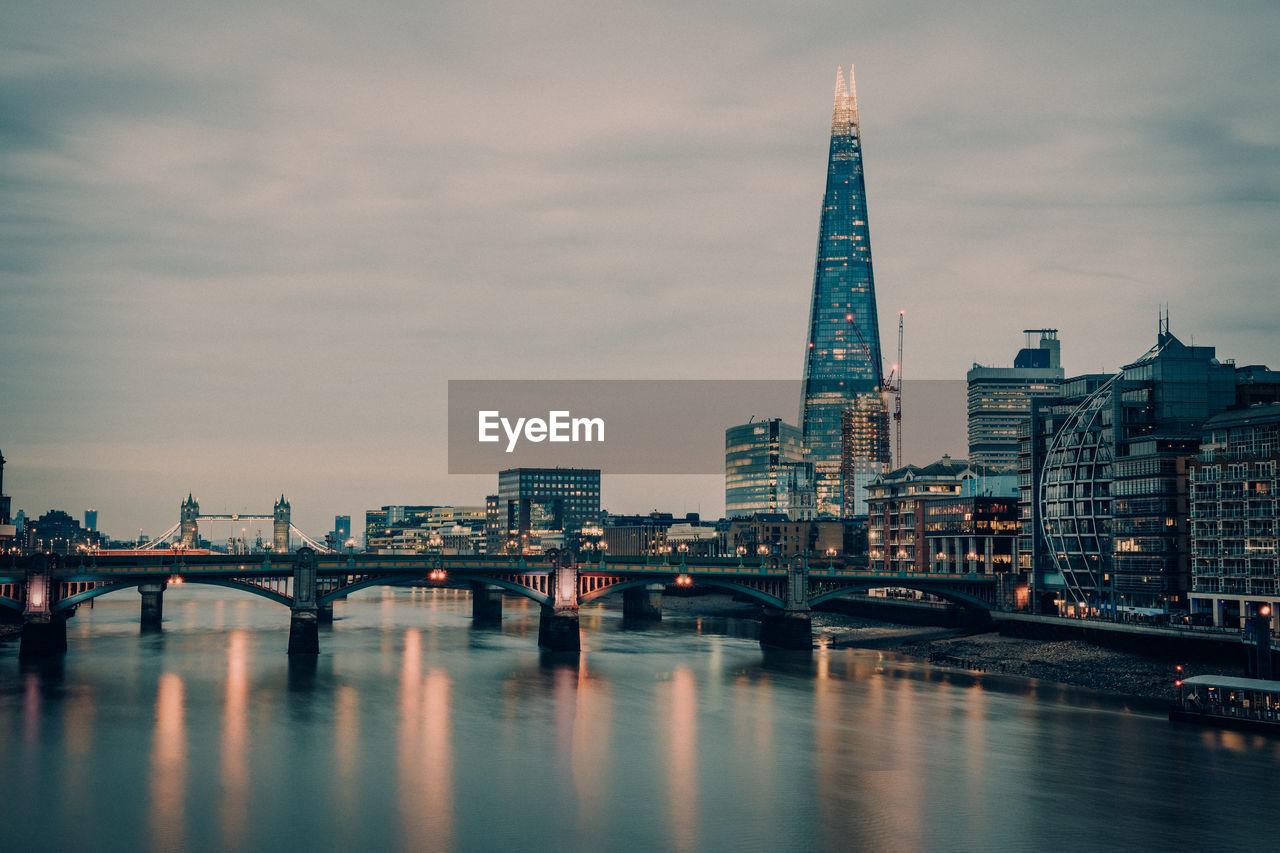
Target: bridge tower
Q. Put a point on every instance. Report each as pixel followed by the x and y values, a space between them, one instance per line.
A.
pixel 280 544
pixel 190 531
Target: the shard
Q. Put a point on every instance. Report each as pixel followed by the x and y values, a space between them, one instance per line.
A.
pixel 842 361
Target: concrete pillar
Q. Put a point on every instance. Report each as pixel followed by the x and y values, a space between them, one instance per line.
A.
pixel 972 555
pixel 324 613
pixel 558 630
pixel 791 628
pixel 152 603
pixel 988 566
pixel 643 602
pixel 558 625
pixel 304 635
pixel 44 632
pixel 486 602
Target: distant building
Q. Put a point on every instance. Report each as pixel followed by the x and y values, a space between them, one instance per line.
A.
pixel 950 516
pixel 551 504
pixel 341 532
pixel 91 520
pixel 56 532
pixel 776 535
pixel 765 470
pixel 8 531
pixel 641 535
pixel 1000 399
pixel 1235 540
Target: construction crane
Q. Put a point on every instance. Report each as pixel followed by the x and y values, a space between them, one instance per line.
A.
pixel 893 385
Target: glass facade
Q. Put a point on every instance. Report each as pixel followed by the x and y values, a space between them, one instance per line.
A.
pixel 842 358
pixel 537 504
pixel 1000 399
pixel 765 471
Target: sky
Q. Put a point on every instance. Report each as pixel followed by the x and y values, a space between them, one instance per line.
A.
pixel 244 246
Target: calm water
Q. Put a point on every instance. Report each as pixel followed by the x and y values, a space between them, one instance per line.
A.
pixel 416 731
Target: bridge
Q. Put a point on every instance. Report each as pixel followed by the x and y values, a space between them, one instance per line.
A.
pixel 186 533
pixel 47 588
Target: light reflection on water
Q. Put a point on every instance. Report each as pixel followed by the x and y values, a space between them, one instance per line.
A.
pixel 417 730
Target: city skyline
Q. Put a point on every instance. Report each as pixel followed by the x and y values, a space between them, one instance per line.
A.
pixel 245 252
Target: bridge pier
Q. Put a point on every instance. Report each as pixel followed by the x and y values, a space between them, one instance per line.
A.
pixel 324 613
pixel 152 604
pixel 304 634
pixel 558 624
pixel 44 632
pixel 486 602
pixel 781 629
pixel 643 602
pixel 791 627
pixel 558 631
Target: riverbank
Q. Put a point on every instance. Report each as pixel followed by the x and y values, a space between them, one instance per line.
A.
pixel 1066 662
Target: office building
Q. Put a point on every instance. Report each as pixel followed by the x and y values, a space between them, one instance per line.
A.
pixel 1000 398
pixel 1235 519
pixel 91 520
pixel 864 450
pixel 541 508
pixel 1111 489
pixel 765 470
pixel 842 352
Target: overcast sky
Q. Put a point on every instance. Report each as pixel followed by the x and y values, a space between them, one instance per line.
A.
pixel 243 246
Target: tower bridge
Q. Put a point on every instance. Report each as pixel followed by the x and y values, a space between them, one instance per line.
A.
pixel 186 533
pixel 47 588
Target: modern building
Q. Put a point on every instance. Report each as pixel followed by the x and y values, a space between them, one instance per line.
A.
pixel 1110 490
pixel 91 520
pixel 842 352
pixel 765 470
pixel 864 451
pixel 544 507
pixel 1000 398
pixel 949 516
pixel 1235 519
pixel 341 533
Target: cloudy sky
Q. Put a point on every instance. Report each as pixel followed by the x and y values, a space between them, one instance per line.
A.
pixel 243 246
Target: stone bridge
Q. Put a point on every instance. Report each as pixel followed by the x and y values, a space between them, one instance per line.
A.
pixel 47 588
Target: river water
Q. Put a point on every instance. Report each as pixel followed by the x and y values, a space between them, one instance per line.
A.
pixel 414 730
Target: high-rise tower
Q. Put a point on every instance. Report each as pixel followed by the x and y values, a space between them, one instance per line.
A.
pixel 842 361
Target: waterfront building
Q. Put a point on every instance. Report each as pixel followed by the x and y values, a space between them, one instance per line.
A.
pixel 842 351
pixel 1110 489
pixel 1000 399
pixel 544 507
pixel 949 516
pixel 765 470
pixel 1235 520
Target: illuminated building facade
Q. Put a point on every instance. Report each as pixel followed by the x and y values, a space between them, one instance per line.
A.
pixel 864 450
pixel 1111 492
pixel 538 508
pixel 949 516
pixel 1000 399
pixel 842 357
pixel 1235 518
pixel 765 470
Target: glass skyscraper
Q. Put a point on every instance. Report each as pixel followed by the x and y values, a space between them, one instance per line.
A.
pixel 842 360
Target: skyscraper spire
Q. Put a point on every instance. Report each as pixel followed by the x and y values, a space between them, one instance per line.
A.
pixel 843 371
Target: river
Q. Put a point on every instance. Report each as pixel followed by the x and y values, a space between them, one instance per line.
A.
pixel 415 730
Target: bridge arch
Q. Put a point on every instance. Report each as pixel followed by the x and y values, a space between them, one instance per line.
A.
pixel 964 599
pixel 81 597
pixel 410 577
pixel 717 583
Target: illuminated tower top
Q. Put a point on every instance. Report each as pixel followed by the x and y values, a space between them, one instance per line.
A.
pixel 842 357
